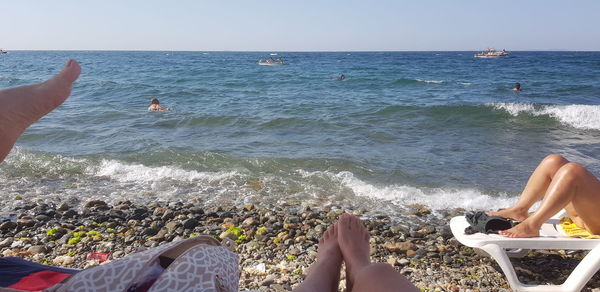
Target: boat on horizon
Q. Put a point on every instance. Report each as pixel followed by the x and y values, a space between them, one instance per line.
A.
pixel 3 51
pixel 271 62
pixel 491 53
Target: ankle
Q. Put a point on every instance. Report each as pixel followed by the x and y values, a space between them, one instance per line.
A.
pixel 520 209
pixel 532 223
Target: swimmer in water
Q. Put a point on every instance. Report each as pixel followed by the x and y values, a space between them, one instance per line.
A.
pixel 155 106
pixel 517 87
pixel 340 78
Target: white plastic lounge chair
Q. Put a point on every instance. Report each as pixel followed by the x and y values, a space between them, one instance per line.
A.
pixel 500 248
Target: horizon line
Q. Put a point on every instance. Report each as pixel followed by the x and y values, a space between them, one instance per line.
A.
pixel 289 51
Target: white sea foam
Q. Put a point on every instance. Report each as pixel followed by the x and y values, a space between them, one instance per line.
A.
pixel 514 108
pixel 315 184
pixel 434 198
pixel 113 180
pixel 430 81
pixel 122 172
pixel 576 115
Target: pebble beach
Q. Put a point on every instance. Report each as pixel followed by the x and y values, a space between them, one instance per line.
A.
pixel 276 244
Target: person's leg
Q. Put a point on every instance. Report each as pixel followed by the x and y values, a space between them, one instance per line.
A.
pixel 361 274
pixel 572 188
pixel 22 106
pixel 381 277
pixel 324 275
pixel 536 188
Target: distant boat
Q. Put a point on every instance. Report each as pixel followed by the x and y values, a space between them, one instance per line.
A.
pixel 273 54
pixel 491 53
pixel 266 63
pixel 271 62
pixel 3 51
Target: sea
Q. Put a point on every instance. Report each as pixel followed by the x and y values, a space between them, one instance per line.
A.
pixel 440 129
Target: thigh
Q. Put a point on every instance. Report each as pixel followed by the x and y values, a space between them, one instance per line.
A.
pixel 586 203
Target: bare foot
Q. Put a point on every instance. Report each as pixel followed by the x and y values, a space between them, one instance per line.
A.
pixel 353 238
pixel 511 213
pixel 324 275
pixel 524 229
pixel 22 106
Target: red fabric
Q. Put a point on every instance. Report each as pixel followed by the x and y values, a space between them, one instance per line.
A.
pixel 39 281
pixel 100 256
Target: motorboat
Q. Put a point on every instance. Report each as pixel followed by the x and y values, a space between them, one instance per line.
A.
pixel 271 62
pixel 491 53
pixel 3 51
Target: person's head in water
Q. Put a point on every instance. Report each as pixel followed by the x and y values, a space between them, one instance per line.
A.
pixel 517 87
pixel 155 105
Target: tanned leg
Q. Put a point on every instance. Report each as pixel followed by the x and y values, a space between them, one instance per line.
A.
pixel 382 278
pixel 324 275
pixel 536 188
pixel 361 274
pixel 572 188
pixel 354 243
pixel 22 106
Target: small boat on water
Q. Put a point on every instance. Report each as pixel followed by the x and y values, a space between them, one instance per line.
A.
pixel 271 62
pixel 3 51
pixel 491 53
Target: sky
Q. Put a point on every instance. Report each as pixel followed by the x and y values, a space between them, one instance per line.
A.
pixel 305 25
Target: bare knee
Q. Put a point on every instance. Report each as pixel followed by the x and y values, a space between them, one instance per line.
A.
pixel 554 161
pixel 572 171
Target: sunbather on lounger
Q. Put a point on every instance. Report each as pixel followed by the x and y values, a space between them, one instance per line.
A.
pixel 559 184
pixel 348 241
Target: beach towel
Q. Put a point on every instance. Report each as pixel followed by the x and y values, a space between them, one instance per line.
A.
pixel 573 230
pixel 19 274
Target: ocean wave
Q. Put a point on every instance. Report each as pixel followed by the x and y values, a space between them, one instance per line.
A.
pixel 198 121
pixel 407 81
pixel 392 109
pixel 114 180
pixel 25 164
pixel 286 123
pixel 403 195
pixel 123 172
pixel 430 81
pixel 576 115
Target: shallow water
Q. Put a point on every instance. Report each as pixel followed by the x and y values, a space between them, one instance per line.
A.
pixel 442 129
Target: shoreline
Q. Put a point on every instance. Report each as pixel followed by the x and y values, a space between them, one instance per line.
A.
pixel 276 244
